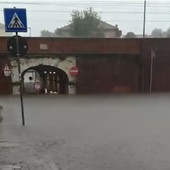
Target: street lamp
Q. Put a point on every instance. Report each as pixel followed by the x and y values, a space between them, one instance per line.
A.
pixel 29 31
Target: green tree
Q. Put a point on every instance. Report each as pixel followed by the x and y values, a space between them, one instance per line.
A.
pixel 157 33
pixel 130 35
pixel 86 23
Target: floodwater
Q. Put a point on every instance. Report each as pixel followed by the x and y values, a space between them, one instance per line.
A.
pixel 86 133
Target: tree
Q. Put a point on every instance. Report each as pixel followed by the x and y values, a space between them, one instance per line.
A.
pixel 157 33
pixel 130 35
pixel 46 33
pixel 86 24
pixel 168 33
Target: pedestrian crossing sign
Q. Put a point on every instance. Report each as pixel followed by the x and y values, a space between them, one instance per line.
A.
pixel 15 20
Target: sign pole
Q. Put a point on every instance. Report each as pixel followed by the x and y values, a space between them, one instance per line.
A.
pixel 151 70
pixel 20 79
pixel 16 21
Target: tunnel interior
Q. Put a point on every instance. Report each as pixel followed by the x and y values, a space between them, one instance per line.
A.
pixel 51 80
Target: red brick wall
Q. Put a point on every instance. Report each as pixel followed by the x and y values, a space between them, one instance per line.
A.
pixel 161 65
pixel 79 46
pixel 102 74
pixel 108 74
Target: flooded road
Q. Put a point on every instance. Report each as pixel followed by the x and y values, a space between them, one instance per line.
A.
pixel 87 133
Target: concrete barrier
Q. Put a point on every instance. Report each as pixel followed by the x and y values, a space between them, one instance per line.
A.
pixel 1 109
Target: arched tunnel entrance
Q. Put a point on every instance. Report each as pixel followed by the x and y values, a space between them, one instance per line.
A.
pixel 44 79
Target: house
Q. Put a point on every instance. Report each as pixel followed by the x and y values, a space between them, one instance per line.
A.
pixel 109 30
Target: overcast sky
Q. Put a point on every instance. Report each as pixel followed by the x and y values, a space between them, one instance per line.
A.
pixel 127 14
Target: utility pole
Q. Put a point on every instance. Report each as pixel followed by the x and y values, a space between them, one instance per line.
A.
pixel 143 49
pixel 144 19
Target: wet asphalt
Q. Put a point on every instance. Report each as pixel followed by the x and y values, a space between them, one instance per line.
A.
pixel 88 132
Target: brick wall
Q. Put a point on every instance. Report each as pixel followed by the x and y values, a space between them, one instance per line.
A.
pixel 108 74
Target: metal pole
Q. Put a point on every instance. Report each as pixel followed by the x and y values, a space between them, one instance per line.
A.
pixel 151 74
pixel 20 79
pixel 142 79
pixel 144 19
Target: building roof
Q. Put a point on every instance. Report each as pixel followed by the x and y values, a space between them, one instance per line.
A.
pixel 102 24
pixel 107 26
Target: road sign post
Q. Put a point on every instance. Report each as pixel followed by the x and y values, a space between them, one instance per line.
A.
pixel 15 21
pixel 20 80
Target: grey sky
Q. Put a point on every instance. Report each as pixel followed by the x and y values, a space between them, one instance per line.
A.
pixel 128 14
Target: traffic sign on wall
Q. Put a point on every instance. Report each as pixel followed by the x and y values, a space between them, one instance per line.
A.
pixel 15 20
pixel 74 71
pixel 12 46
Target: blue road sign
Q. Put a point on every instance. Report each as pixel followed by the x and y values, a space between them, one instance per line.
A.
pixel 15 20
